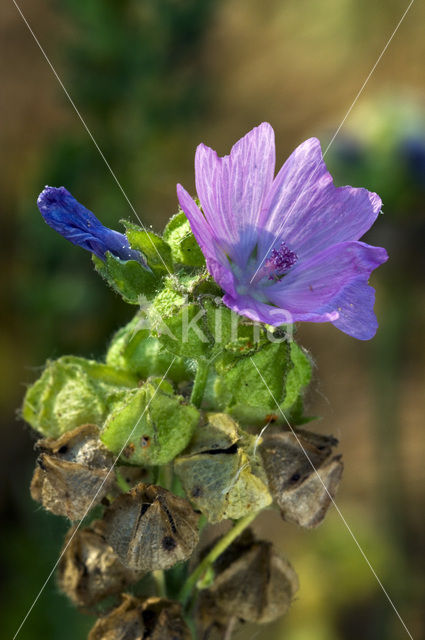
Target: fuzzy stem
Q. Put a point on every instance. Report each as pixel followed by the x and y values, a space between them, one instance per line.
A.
pixel 199 383
pixel 212 556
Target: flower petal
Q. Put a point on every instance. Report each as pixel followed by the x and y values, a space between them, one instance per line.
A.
pixel 232 189
pixel 262 312
pixel 324 283
pixel 306 211
pixel 217 263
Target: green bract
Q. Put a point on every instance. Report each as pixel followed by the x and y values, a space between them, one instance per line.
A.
pixel 134 349
pixel 151 423
pixel 73 391
pixel 184 248
pixel 235 386
pixel 156 251
pixel 128 278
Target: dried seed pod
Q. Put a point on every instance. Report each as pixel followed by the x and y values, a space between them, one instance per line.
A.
pixel 302 494
pixel 150 528
pixel 253 583
pixel 89 569
pixel 219 472
pixel 73 472
pixel 135 619
pixel 81 445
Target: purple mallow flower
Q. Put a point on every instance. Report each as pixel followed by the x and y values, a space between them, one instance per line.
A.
pixel 285 248
pixel 80 226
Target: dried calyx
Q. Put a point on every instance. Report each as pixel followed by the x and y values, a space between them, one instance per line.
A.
pixel 73 473
pixel 150 528
pixel 303 474
pixel 252 582
pixel 137 619
pixel 89 569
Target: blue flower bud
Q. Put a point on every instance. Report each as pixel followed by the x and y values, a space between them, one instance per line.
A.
pixel 80 226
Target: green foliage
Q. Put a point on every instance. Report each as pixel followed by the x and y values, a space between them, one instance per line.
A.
pixel 184 248
pixel 160 423
pixel 152 246
pixel 73 391
pixel 127 277
pixel 135 350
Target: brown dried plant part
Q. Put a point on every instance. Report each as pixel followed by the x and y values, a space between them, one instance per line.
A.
pixel 136 619
pixel 253 583
pixel 150 528
pixel 302 495
pixel 72 473
pixel 89 569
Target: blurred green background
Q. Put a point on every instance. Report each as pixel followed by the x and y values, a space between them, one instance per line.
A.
pixel 152 79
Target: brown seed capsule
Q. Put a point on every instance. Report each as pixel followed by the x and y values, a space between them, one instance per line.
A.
pixel 135 619
pixel 89 569
pixel 73 472
pixel 303 494
pixel 150 528
pixel 253 583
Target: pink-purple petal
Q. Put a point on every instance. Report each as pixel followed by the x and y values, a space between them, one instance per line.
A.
pixel 305 209
pixel 314 284
pixel 232 189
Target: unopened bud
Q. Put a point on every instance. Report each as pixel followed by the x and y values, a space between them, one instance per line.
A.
pixel 150 528
pixel 302 474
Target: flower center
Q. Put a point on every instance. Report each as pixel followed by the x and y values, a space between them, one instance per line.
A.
pixel 280 261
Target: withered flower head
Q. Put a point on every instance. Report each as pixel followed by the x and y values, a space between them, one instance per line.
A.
pixel 72 472
pixel 302 494
pixel 135 619
pixel 90 570
pixel 252 583
pixel 150 528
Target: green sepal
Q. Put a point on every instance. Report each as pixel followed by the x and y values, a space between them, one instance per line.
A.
pixel 238 389
pixel 135 350
pixel 184 248
pixel 127 277
pixel 156 250
pixel 232 332
pixel 223 481
pixel 235 386
pixel 73 391
pixel 298 377
pixel 179 323
pixel 163 425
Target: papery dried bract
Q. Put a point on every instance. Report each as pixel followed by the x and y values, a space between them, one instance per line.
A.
pixel 302 486
pixel 219 472
pixel 253 583
pixel 136 619
pixel 89 569
pixel 150 528
pixel 72 473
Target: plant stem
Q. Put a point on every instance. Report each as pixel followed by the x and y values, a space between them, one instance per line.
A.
pixel 159 578
pixel 121 481
pixel 199 383
pixel 215 552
